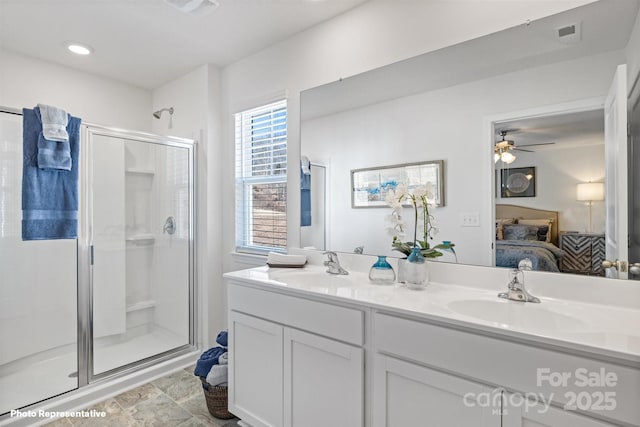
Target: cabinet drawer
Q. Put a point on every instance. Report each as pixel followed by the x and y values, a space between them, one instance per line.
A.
pixel 584 253
pixel 339 323
pixel 515 366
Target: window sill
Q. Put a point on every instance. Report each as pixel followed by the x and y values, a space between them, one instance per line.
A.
pixel 251 259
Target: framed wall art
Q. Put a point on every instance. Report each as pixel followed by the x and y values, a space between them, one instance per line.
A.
pixel 369 186
pixel 518 182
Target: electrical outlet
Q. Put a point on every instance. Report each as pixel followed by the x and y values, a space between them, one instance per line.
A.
pixel 470 219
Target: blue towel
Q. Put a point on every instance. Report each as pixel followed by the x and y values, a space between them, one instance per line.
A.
pixel 54 123
pixel 49 197
pixel 222 338
pixel 53 143
pixel 53 155
pixel 207 360
pixel 305 192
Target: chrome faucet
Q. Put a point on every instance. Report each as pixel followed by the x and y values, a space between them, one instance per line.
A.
pixel 517 291
pixel 334 264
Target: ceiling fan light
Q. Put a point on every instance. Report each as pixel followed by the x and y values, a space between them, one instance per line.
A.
pixel 496 157
pixel 507 157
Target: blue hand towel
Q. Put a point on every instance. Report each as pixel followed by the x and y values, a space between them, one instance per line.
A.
pixel 53 155
pixel 54 151
pixel 305 192
pixel 54 123
pixel 222 338
pixel 49 197
pixel 207 360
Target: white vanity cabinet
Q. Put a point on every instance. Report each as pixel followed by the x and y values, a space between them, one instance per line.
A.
pixel 298 351
pixel 539 415
pixel 406 393
pixel 255 369
pixel 324 381
pixel 284 371
pixel 448 370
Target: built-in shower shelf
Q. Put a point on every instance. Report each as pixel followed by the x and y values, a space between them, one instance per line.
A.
pixel 141 239
pixel 142 305
pixel 140 171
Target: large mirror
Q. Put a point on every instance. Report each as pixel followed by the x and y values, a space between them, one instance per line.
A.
pixel 542 84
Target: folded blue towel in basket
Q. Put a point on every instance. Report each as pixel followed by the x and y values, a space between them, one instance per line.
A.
pixel 207 360
pixel 49 197
pixel 222 338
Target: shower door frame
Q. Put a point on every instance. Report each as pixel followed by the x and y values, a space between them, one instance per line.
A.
pixel 85 254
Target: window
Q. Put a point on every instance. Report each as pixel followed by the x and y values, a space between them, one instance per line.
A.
pixel 261 178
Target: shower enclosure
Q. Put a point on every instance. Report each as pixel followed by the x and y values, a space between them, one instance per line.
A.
pixel 121 296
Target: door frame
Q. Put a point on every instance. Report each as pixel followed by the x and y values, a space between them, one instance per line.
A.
pixel 489 126
pixel 85 253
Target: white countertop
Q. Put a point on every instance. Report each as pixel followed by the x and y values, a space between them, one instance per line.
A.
pixel 597 329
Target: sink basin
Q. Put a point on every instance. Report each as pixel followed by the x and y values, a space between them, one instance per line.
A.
pixel 510 314
pixel 312 279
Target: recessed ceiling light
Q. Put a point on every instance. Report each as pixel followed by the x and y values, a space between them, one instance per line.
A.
pixel 194 7
pixel 78 48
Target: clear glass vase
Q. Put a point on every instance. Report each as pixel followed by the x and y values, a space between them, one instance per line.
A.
pixel 415 270
pixel 381 273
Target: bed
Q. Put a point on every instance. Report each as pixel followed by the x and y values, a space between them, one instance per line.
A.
pixel 523 232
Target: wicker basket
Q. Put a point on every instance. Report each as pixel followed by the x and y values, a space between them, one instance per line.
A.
pixel 216 398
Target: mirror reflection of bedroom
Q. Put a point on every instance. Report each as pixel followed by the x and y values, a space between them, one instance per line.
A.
pixel 549 200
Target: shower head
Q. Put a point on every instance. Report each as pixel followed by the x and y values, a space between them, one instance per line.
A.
pixel 158 113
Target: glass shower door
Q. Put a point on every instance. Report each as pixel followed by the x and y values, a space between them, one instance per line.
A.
pixel 38 294
pixel 141 208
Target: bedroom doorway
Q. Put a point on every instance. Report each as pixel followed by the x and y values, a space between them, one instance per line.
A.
pixel 554 153
pixel 571 170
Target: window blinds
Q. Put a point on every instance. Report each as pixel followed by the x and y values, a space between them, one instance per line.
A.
pixel 261 178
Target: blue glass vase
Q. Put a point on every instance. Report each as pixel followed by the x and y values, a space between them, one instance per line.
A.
pixel 415 255
pixel 381 273
pixel 416 274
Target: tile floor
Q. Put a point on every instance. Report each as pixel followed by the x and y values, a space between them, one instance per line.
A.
pixel 176 400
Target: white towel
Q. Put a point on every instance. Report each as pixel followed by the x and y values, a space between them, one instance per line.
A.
pixel 54 123
pixel 218 374
pixel 275 259
pixel 305 165
pixel 223 359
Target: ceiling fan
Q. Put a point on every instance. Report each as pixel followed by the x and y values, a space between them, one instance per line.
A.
pixel 502 149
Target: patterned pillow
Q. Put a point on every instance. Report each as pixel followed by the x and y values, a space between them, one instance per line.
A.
pixel 499 223
pixel 541 222
pixel 520 232
pixel 543 233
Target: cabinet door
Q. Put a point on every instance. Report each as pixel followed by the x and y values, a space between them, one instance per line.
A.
pixel 323 382
pixel 255 370
pixel 518 412
pixel 597 254
pixel 406 394
pixel 578 253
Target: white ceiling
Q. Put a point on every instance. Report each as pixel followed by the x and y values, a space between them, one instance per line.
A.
pixel 606 26
pixel 563 130
pixel 148 42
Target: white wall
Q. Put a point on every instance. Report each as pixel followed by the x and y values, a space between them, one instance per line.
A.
pixel 26 81
pixel 633 53
pixel 196 100
pixel 372 35
pixel 44 273
pixel 37 279
pixel 558 171
pixel 442 124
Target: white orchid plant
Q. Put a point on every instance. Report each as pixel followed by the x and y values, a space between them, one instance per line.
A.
pixel 419 198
